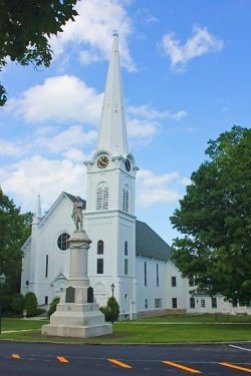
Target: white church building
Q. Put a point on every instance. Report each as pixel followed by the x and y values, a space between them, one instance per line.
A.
pixel 126 258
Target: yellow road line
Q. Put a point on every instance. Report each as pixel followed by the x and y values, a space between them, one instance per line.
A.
pixel 236 367
pixel 120 364
pixel 62 359
pixel 15 356
pixel 183 368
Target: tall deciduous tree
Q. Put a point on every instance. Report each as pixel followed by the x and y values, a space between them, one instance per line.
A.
pixel 14 230
pixel 25 29
pixel 215 219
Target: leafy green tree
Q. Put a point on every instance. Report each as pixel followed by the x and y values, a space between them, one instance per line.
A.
pixel 215 219
pixel 111 310
pixel 30 304
pixel 25 29
pixel 17 304
pixel 14 230
pixel 53 306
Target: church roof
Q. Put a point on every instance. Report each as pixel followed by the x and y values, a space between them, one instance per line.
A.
pixel 150 244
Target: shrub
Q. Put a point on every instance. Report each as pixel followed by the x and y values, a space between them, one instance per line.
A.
pixel 41 312
pixel 104 311
pixel 17 304
pixel 53 306
pixel 111 311
pixel 30 304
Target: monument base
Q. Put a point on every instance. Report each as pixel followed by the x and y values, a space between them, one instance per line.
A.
pixel 77 315
pixel 77 320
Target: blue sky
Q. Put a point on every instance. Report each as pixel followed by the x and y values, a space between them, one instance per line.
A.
pixel 186 68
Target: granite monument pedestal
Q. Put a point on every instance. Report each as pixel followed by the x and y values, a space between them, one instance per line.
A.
pixel 77 315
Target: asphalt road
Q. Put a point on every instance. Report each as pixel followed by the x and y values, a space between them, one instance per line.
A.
pixel 21 359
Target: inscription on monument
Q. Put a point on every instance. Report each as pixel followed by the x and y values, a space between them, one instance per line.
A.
pixel 90 295
pixel 70 295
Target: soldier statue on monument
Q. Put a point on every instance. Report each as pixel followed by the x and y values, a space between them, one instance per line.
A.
pixel 77 214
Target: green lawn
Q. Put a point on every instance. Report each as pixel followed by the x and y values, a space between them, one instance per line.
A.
pixel 204 318
pixel 164 329
pixel 20 324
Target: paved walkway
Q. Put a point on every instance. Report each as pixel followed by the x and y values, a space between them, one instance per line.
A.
pixel 19 330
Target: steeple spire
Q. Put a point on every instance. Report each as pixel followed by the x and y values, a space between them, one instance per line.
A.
pixel 112 132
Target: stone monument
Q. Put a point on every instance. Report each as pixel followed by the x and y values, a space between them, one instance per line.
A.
pixel 77 314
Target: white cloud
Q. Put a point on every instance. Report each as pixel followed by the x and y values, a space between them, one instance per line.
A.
pixel 151 113
pixel 66 139
pixel 64 99
pixel 88 57
pixel 61 98
pixel 154 196
pixel 202 42
pixel 186 181
pixel 75 155
pixel 145 17
pixel 12 149
pixel 144 121
pixel 93 28
pixel 69 142
pixel 37 175
pixel 153 189
pixel 141 130
pixel 155 181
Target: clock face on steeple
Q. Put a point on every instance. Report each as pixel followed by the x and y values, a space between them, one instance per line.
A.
pixel 103 161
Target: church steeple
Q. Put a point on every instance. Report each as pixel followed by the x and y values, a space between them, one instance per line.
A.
pixel 112 131
pixel 110 212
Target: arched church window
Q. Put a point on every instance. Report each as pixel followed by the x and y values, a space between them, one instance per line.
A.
pixel 63 241
pixel 126 257
pixel 100 247
pixel 126 198
pixel 102 196
pixel 126 266
pixel 46 265
pixel 126 248
pixel 100 266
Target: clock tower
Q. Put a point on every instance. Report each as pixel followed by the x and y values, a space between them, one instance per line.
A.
pixel 110 220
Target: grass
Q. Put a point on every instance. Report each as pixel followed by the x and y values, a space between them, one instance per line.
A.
pixel 164 329
pixel 22 324
pixel 201 318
